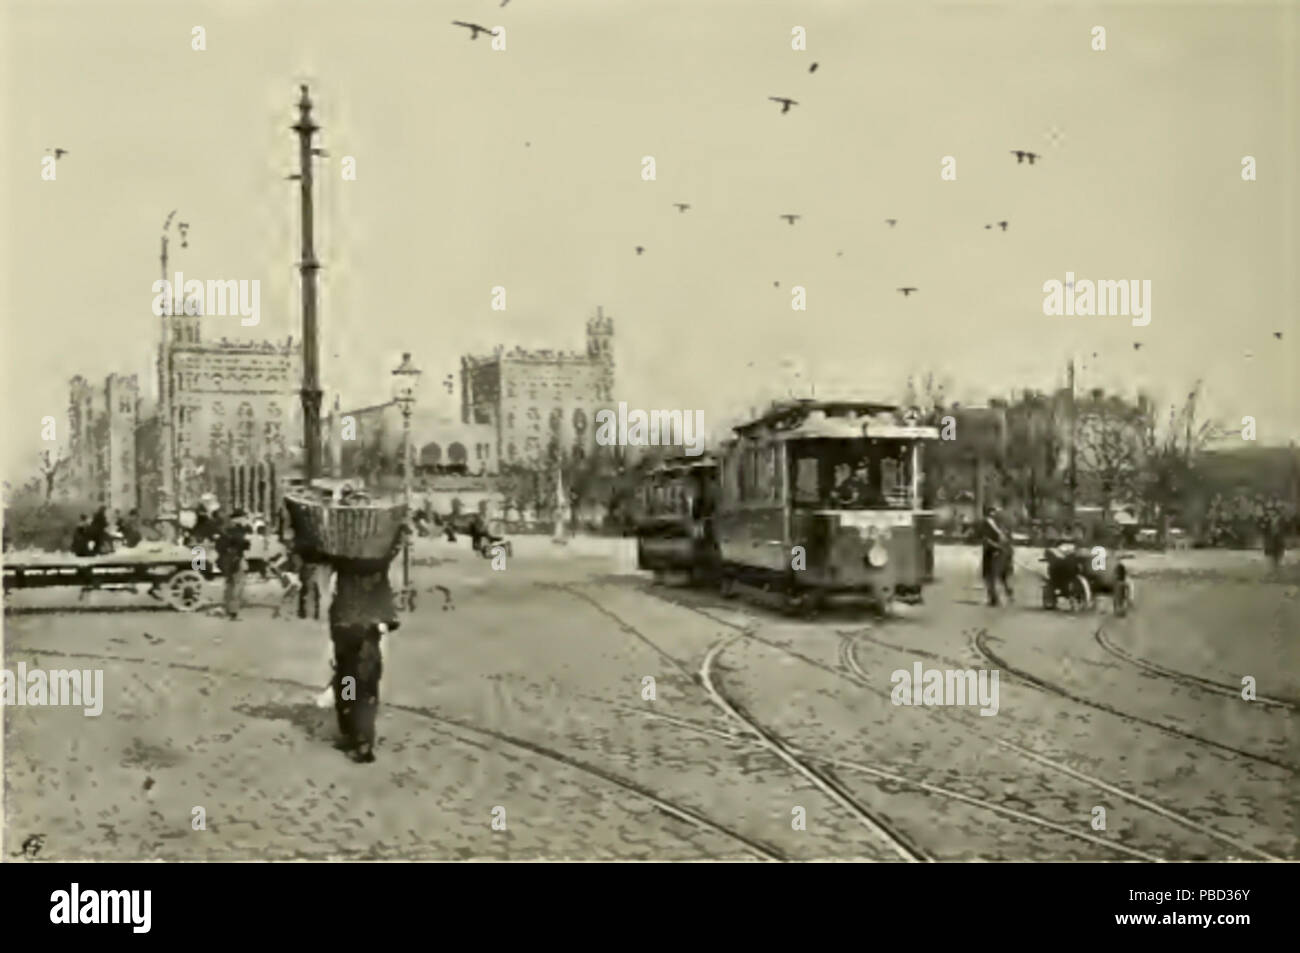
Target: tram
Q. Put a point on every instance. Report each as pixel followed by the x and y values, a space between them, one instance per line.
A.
pixel 674 528
pixel 820 503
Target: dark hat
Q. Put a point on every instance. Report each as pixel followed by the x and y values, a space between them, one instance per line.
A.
pixel 238 514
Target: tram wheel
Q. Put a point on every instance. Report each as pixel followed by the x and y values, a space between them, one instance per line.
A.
pixel 184 590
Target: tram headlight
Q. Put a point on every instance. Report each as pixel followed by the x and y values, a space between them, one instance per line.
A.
pixel 877 556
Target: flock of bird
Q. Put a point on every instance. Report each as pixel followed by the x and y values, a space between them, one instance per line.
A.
pixel 682 207
pixel 791 217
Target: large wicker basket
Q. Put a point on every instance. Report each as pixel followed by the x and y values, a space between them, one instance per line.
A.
pixel 367 532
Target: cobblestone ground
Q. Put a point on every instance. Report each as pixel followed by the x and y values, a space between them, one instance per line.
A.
pixel 522 696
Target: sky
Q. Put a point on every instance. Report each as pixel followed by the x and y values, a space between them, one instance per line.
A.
pixel 522 168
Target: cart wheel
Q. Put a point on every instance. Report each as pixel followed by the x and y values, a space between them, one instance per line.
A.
pixel 1123 597
pixel 1080 594
pixel 184 590
pixel 1049 596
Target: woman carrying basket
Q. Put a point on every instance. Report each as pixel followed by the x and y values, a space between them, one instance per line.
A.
pixel 361 612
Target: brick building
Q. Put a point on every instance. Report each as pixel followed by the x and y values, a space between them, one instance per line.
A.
pixel 536 400
pixel 101 440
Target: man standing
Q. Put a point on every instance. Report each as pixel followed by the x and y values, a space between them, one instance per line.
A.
pixel 1275 536
pixel 996 562
pixel 362 610
pixel 130 528
pixel 83 543
pixel 231 546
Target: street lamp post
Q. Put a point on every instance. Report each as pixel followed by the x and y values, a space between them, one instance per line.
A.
pixel 406 377
pixel 167 485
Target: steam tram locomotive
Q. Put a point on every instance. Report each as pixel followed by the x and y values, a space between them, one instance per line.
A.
pixel 675 526
pixel 820 502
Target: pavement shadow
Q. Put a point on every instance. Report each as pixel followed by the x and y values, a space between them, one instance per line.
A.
pixel 317 724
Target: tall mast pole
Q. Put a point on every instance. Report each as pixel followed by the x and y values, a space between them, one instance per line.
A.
pixel 167 483
pixel 307 267
pixel 1074 435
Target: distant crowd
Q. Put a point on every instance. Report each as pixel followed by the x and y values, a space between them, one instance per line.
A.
pixel 102 533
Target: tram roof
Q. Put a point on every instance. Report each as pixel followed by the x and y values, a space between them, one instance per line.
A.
pixel 685 462
pixel 833 419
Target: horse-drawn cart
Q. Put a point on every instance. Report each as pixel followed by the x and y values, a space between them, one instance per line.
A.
pixel 167 569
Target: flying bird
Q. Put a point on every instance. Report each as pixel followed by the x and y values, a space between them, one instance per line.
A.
pixel 640 249
pixel 1278 335
pixel 1003 225
pixel 907 291
pixel 813 68
pixel 891 222
pixel 681 206
pixel 790 218
pixel 776 284
pixel 785 103
pixel 58 153
pixel 1021 155
pixel 1137 345
pixel 474 27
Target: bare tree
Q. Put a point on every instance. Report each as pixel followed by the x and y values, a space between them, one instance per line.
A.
pixel 1170 456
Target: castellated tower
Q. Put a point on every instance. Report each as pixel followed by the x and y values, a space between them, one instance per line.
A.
pixel 600 337
pixel 600 348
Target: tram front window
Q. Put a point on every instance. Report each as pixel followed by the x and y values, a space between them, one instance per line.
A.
pixel 851 475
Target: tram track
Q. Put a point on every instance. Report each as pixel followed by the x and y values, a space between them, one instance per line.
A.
pixel 857 676
pixel 874 771
pixel 980 643
pixel 898 842
pixel 1137 799
pixel 666 806
pixel 1187 678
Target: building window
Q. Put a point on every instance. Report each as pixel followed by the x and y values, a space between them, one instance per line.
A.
pixel 456 453
pixel 510 421
pixel 511 452
pixel 579 421
pixel 557 417
pixel 218 408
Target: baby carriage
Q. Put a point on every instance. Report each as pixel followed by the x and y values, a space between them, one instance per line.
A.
pixel 1071 576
